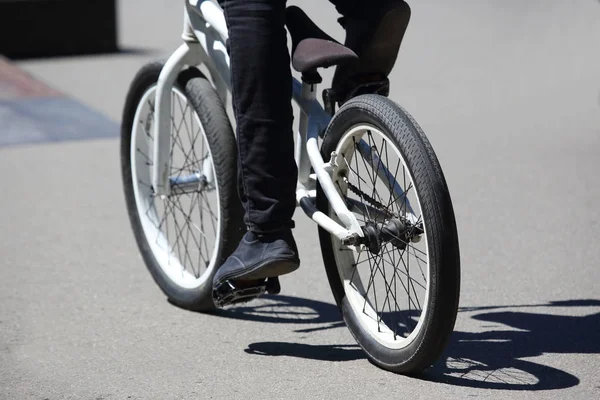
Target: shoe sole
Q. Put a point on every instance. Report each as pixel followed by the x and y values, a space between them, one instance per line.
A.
pixel 266 269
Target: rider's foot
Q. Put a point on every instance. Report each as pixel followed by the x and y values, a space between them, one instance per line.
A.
pixel 375 36
pixel 260 256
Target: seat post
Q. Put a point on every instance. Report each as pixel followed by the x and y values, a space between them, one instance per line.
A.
pixel 308 95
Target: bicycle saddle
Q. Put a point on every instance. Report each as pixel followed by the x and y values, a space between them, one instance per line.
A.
pixel 311 47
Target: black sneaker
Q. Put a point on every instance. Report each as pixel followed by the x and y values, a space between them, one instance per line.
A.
pixel 260 256
pixel 375 36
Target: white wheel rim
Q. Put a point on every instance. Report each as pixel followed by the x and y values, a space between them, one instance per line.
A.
pixel 362 306
pixel 167 255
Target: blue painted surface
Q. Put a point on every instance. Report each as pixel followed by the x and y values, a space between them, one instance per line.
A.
pixel 51 119
pixel 318 119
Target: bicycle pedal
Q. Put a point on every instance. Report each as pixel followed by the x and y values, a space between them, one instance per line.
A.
pixel 228 293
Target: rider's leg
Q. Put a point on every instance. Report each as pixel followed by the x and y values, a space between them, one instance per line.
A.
pixel 374 30
pixel 262 91
pixel 261 88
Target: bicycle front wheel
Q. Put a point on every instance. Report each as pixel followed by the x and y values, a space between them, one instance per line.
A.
pixel 185 236
pixel 399 290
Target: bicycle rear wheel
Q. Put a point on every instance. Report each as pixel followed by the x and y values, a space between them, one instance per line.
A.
pixel 185 236
pixel 399 290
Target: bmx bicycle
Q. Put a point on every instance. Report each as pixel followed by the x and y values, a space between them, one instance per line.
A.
pixel 367 176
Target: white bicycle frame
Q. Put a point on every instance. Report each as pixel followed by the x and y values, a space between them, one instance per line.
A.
pixel 205 35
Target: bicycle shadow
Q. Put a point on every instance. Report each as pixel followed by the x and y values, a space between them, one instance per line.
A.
pixel 287 309
pixel 317 315
pixel 491 359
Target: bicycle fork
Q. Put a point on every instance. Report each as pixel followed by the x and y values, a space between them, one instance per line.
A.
pixel 204 43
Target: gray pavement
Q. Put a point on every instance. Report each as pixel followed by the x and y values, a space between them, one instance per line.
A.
pixel 508 93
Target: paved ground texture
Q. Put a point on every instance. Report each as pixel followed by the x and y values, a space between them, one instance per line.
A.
pixel 507 91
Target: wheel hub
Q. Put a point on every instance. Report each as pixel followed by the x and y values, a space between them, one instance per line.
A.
pixel 395 231
pixel 371 237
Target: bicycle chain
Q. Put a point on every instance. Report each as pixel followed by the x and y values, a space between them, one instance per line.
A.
pixel 368 198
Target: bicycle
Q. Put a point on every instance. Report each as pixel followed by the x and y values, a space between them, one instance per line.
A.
pixel 386 224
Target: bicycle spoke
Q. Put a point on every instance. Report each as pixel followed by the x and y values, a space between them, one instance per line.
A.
pixel 388 288
pixel 371 276
pixel 409 283
pixel 200 231
pixel 371 177
pixel 395 279
pixel 374 170
pixel 407 290
pixel 359 187
pixel 392 263
pixel 188 222
pixel 356 264
pixel 353 171
pixel 178 236
pixel 418 262
pixel 373 273
pixel 387 297
pixel 187 234
pixel 212 220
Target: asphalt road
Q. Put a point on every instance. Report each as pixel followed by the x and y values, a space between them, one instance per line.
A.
pixel 508 93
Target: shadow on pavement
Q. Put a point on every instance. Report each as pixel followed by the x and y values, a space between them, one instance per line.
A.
pixel 491 359
pixel 287 309
pixel 295 310
pixel 313 352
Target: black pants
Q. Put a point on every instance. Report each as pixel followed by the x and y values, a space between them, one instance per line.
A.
pixel 262 92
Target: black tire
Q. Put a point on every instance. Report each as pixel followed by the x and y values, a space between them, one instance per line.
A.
pixel 442 238
pixel 221 141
